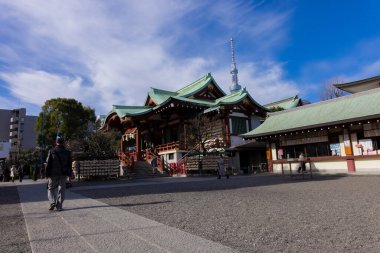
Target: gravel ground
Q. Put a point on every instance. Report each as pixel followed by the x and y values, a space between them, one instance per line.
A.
pixel 14 237
pixel 264 213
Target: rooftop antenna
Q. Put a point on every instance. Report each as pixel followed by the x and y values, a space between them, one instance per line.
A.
pixel 235 83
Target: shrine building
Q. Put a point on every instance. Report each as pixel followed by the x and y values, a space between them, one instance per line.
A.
pixel 199 118
pixel 336 136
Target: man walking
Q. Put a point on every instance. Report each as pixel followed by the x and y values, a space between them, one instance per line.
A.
pixel 20 171
pixel 58 168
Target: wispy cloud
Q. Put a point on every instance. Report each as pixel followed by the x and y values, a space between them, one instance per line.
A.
pixel 105 53
pixel 8 103
pixel 363 62
pixel 25 85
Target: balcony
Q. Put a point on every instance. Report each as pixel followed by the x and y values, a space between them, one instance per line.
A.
pixel 13 129
pixel 175 145
pixel 14 120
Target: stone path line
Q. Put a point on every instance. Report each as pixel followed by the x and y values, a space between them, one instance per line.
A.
pixel 87 225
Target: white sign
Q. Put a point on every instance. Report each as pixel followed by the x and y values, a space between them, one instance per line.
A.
pixel 366 147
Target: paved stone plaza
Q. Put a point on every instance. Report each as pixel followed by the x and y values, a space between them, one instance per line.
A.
pixel 242 214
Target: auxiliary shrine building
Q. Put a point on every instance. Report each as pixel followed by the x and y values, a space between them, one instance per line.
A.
pixel 337 136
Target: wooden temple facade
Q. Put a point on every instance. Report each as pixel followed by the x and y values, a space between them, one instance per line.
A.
pixel 173 125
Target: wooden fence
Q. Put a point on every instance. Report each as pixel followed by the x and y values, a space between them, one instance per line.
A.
pixel 97 168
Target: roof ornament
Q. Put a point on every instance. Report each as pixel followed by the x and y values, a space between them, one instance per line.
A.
pixel 235 84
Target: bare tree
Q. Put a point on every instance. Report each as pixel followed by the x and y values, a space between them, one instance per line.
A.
pixel 329 90
pixel 276 108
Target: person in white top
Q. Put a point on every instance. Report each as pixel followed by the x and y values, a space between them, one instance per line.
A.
pixel 13 172
pixel 301 164
pixel 221 169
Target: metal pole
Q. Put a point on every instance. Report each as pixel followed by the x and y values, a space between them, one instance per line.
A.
pixel 42 139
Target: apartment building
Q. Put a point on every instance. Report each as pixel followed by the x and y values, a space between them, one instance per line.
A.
pixel 18 129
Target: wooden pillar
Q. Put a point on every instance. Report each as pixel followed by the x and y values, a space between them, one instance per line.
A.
pixel 122 144
pixel 249 122
pixel 269 158
pixel 138 145
pixel 184 134
pixel 227 129
pixel 351 165
pixel 347 142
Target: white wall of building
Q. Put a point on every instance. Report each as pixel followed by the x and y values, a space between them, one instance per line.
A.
pixel 327 167
pixel 367 165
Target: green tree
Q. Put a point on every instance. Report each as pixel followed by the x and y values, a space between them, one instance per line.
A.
pixel 65 117
pixel 103 145
pixel 24 157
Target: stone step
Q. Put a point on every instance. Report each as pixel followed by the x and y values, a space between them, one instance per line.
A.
pixel 143 169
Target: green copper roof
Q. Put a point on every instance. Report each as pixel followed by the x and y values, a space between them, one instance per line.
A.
pixel 196 101
pixel 236 97
pixel 160 96
pixel 287 103
pixel 123 111
pixel 163 97
pixel 199 102
pixel 231 99
pixel 198 85
pixel 359 106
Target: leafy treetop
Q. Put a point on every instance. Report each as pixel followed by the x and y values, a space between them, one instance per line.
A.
pixel 65 117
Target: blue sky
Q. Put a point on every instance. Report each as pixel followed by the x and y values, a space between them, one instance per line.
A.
pixel 110 52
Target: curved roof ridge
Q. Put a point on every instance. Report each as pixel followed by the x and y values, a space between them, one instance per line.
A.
pixel 227 96
pixel 282 100
pixel 130 106
pixel 196 81
pixel 241 94
pixel 341 85
pixel 198 85
pixel 159 95
pixel 152 89
pixel 335 100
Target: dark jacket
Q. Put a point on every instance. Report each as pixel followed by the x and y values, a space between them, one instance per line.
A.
pixel 58 162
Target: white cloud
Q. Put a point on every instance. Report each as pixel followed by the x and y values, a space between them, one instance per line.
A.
pixel 38 86
pixel 105 53
pixel 369 70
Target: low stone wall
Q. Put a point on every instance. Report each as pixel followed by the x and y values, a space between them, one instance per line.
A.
pixel 209 163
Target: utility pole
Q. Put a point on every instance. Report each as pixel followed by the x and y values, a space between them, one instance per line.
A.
pixel 42 148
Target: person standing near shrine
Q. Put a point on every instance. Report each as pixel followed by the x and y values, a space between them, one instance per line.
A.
pixel 58 168
pixel 302 163
pixel 13 173
pixel 153 163
pixel 221 169
pixel 20 172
